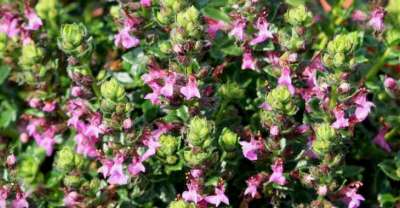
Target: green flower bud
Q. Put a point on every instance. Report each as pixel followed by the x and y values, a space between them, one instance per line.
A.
pixel 115 12
pixel 189 21
pixel 28 169
pixel 101 75
pixel 228 140
pixel 164 16
pixel 327 59
pixel 72 181
pixel 344 43
pixel 199 131
pixel 165 47
pixel 94 184
pixel 107 106
pixel 74 39
pixel 298 16
pixel 79 161
pixel 231 91
pixel 47 9
pixel 169 145
pixel 291 40
pixel 325 135
pixel 181 204
pixel 280 99
pixel 195 159
pixel 113 90
pixel 31 55
pixel 171 159
pixel 65 159
pixel 338 59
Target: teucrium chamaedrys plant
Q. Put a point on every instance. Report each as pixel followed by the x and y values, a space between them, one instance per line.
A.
pixel 181 104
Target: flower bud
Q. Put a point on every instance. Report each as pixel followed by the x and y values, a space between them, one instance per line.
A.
pixel 195 159
pixel 188 20
pixel 298 16
pixel 113 90
pixel 280 99
pixel 325 134
pixel 199 131
pixel 73 39
pixel 231 91
pixel 344 43
pixel 338 59
pixel 47 9
pixel 228 140
pixel 3 43
pixel 169 145
pixel 65 159
pixel 180 204
pixel 72 181
pixel 31 55
pixel 28 169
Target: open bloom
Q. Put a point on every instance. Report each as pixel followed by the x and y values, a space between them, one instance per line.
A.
pixel 363 107
pixel 116 173
pixel 353 199
pixel 213 26
pixel 264 32
pixel 34 21
pixel 136 166
pixel 376 20
pixel 248 61
pixel 71 199
pixel 20 201
pixel 145 3
pixel 252 185
pixel 380 139
pixel 286 80
pixel 341 121
pixel 192 194
pixel 238 29
pixel 190 90
pixel 125 39
pixel 9 24
pixel 218 197
pixel 252 148
pixel 358 15
pixel 277 173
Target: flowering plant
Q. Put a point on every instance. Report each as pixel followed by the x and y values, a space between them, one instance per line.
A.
pixel 203 103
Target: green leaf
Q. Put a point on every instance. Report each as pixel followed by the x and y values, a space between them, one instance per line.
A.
pixel 183 113
pixel 4 72
pixel 138 61
pixel 232 50
pixel 216 14
pixel 389 168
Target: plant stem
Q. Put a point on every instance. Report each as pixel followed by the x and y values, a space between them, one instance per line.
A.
pixel 374 70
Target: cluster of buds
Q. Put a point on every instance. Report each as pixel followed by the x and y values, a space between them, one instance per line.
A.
pixel 74 40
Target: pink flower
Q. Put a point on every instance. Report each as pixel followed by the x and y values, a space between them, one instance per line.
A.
pixel 77 91
pixel 265 106
pixel 272 58
pixel 124 39
pixel 277 174
pixel 274 130
pixel 376 20
pixel 218 197
pixel 248 61
pixel 352 199
pixel 105 169
pixel 322 190
pixel 252 148
pixel 190 90
pixel 286 80
pixel 117 175
pixel 252 185
pixel 127 123
pixel 192 194
pixel 390 83
pixel 363 107
pixel 264 32
pixel 145 3
pixel 341 121
pixel 85 146
pixel 214 26
pixel 154 96
pixel 380 139
pixel 34 103
pixel 4 190
pixel 34 22
pixel 11 160
pixel 71 199
pixel 358 15
pixel 47 143
pixel 153 74
pixel 49 106
pixel 20 201
pixel 152 145
pixel 9 24
pixel 303 128
pixel 136 166
pixel 168 89
pixel 238 29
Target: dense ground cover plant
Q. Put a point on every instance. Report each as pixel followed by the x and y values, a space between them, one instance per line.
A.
pixel 199 103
